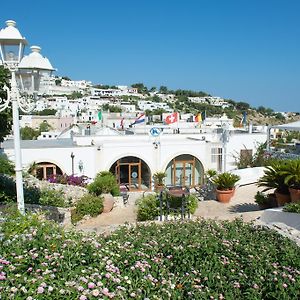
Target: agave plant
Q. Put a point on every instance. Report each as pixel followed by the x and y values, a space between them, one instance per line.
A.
pixel 292 174
pixel 159 178
pixel 225 181
pixel 274 178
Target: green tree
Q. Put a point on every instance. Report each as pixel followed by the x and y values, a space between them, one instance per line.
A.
pixel 111 108
pixel 66 78
pixel 163 89
pixel 242 106
pixel 47 112
pixel 6 166
pixel 28 133
pixel 45 127
pixel 142 89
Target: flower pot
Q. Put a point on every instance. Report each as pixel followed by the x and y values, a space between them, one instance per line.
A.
pixel 295 194
pixel 273 201
pixel 158 188
pixel 282 199
pixel 224 196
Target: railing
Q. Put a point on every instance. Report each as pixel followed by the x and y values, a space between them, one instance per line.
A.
pixel 174 200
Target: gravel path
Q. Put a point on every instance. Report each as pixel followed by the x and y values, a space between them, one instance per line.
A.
pixel 241 205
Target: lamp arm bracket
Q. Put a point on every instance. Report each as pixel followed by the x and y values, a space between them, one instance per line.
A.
pixel 4 103
pixel 26 103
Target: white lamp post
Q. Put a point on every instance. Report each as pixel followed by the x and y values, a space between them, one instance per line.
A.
pixel 27 73
pixel 224 140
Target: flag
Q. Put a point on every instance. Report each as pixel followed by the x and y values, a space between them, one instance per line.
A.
pixel 172 118
pixel 100 115
pixel 140 119
pixel 122 123
pixel 244 119
pixel 198 118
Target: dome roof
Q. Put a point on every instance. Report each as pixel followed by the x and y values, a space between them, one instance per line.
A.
pixel 35 60
pixel 11 33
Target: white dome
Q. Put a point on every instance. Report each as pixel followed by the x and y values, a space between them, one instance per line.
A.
pixel 11 33
pixel 35 60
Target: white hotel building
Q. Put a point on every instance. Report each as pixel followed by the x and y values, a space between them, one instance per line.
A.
pixel 134 158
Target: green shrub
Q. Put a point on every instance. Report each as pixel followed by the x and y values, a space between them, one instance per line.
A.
pixel 52 198
pixel 192 203
pixel 8 191
pixel 14 217
pixel 148 208
pixel 87 205
pixel 6 166
pixel 292 207
pixel 105 182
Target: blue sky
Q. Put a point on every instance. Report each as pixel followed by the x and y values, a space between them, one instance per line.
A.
pixel 243 50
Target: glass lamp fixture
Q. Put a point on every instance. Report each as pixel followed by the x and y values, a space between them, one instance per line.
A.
pixel 12 45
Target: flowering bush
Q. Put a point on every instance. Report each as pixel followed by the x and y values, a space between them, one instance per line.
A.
pixel 69 179
pixel 182 260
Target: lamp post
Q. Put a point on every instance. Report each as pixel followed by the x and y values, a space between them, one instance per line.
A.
pixel 26 72
pixel 72 158
pixel 80 166
pixel 225 140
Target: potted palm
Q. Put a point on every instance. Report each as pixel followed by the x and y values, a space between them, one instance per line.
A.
pixel 274 178
pixel 292 179
pixel 225 183
pixel 159 180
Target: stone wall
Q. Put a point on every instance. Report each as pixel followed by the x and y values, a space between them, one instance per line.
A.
pixel 70 191
pixel 57 214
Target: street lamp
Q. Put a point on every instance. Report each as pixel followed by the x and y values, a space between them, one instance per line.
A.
pixel 72 158
pixel 33 66
pixel 80 166
pixel 224 140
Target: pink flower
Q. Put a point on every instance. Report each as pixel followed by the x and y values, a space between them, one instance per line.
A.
pixel 105 291
pixel 91 285
pixel 284 285
pixel 95 292
pixel 2 277
pixel 82 297
pixel 40 290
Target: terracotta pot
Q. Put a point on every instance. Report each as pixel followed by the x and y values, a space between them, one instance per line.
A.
pixel 108 202
pixel 224 196
pixel 282 199
pixel 295 194
pixel 273 201
pixel 158 188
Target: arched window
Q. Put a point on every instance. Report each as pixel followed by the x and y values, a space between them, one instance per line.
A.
pixel 132 172
pixel 184 170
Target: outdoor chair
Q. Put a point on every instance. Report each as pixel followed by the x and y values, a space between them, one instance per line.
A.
pixel 124 193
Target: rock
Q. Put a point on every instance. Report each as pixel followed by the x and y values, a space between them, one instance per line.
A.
pixel 108 202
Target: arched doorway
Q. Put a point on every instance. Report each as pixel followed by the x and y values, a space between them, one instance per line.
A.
pixel 184 170
pixel 132 172
pixel 44 170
